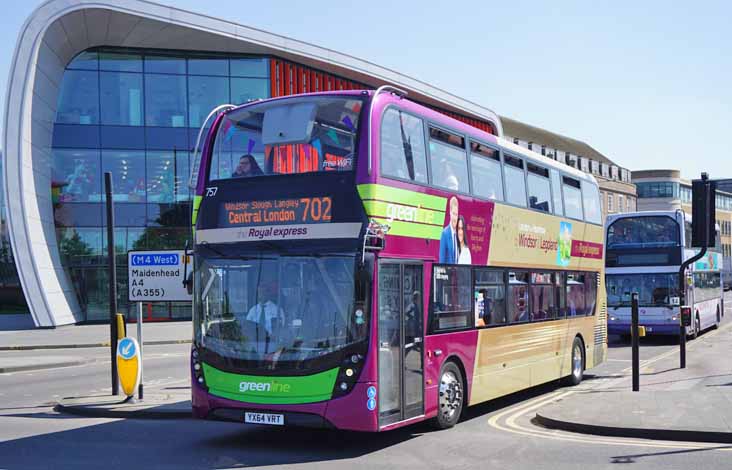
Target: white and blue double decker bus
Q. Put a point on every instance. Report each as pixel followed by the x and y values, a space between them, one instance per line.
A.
pixel 645 251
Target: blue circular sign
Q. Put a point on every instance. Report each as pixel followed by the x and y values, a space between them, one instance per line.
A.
pixel 126 348
pixel 371 392
pixel 371 404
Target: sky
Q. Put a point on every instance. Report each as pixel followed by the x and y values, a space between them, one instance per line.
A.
pixel 645 83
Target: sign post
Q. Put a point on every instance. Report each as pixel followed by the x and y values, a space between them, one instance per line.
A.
pixel 139 340
pixel 155 276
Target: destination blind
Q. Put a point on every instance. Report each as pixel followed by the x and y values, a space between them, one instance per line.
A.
pixel 305 210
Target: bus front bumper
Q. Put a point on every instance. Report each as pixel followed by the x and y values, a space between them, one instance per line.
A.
pixel 618 328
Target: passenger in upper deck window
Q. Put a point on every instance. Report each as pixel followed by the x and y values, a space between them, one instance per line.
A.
pixel 247 167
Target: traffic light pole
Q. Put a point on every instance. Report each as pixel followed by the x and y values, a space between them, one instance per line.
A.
pixel 112 281
pixel 703 221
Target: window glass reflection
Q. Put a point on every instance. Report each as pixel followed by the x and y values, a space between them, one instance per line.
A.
pixel 208 66
pixel 75 176
pixel 251 67
pixel 165 100
pixel 165 64
pixel 248 89
pixel 182 175
pixel 160 177
pixel 87 60
pixel 121 95
pixel 78 244
pixel 128 174
pixel 78 101
pixel 119 62
pixel 204 94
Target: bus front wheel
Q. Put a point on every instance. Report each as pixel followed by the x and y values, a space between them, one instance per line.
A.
pixel 578 363
pixel 451 396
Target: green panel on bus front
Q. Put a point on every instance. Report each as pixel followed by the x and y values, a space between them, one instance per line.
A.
pixel 270 390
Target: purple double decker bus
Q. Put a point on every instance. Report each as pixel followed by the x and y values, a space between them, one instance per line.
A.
pixel 363 262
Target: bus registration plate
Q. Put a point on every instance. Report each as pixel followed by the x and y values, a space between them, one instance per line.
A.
pixel 264 418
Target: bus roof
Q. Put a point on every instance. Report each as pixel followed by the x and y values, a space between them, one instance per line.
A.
pixel 458 125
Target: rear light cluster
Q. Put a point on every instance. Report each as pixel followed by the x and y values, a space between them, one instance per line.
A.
pixel 348 374
pixel 197 368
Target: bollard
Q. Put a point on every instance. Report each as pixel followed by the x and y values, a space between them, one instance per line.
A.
pixel 635 331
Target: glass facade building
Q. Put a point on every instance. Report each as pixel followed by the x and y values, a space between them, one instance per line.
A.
pixel 135 113
pixel 11 293
pixel 676 190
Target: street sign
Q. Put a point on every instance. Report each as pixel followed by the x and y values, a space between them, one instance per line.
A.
pixel 129 365
pixel 157 276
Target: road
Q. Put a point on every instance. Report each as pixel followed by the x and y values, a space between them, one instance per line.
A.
pixel 498 434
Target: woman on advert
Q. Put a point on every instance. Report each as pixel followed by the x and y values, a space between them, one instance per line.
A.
pixel 463 250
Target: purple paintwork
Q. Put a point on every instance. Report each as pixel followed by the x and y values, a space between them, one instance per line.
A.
pixel 350 411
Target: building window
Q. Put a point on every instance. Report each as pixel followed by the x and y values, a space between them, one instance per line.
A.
pixel 621 203
pixel 165 100
pixel 78 102
pixel 610 198
pixel 204 94
pixel 248 89
pixel 128 174
pixel 76 176
pixel 121 98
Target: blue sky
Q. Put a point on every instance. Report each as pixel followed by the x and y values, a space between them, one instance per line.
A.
pixel 645 83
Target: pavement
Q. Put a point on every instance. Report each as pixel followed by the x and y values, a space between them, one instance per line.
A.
pixel 692 404
pixel 157 405
pixel 36 349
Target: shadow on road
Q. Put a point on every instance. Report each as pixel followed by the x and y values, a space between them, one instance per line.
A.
pixel 211 444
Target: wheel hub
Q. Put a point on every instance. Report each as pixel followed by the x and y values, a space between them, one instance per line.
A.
pixel 451 395
pixel 577 361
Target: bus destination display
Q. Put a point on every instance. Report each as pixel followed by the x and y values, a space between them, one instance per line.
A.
pixel 304 210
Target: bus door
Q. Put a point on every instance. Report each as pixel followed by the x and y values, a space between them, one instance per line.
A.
pixel 401 340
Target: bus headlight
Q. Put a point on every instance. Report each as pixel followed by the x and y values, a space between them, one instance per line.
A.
pixel 197 367
pixel 348 373
pixel 612 318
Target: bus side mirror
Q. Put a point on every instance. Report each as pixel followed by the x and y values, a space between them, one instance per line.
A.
pixel 188 283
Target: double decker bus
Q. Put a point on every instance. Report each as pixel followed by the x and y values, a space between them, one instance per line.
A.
pixel 645 251
pixel 363 262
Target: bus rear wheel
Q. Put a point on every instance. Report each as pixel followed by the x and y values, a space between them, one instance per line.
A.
pixel 719 319
pixel 451 396
pixel 578 363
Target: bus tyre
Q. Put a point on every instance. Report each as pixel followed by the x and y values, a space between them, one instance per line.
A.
pixel 450 396
pixel 578 363
pixel 719 319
